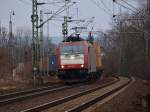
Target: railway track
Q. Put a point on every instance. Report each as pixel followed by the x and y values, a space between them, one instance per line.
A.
pixel 64 104
pixel 87 104
pixel 30 94
pixel 19 96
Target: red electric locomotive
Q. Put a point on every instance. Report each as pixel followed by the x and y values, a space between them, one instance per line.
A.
pixel 79 61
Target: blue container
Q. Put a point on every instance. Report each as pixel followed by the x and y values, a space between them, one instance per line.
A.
pixel 52 63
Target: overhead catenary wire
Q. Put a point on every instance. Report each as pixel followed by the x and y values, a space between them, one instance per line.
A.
pixel 98 5
pixel 125 7
pixel 55 2
pixel 25 2
pixel 139 11
pixel 56 13
pixel 136 11
pixel 47 2
pixel 105 5
pixel 137 28
pixel 130 5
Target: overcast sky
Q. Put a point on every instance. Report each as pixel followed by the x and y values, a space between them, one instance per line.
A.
pixel 87 8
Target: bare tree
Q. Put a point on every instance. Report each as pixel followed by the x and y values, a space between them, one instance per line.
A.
pixel 127 45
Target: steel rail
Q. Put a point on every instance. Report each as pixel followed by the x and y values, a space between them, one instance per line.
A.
pixel 4 96
pixel 94 101
pixel 36 93
pixel 65 99
pixel 32 95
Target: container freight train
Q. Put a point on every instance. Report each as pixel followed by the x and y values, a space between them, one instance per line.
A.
pixel 79 61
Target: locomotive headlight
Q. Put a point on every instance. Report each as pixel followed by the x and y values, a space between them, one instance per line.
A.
pixel 82 66
pixel 62 66
pixel 72 57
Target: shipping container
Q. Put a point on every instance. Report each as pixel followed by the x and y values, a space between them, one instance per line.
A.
pixel 43 64
pixel 98 55
pixel 52 63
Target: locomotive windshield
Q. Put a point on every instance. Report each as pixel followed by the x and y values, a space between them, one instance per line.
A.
pixel 72 49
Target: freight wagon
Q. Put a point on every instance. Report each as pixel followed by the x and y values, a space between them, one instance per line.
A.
pixel 52 64
pixel 48 65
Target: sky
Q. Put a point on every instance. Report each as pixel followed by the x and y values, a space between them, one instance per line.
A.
pixel 86 9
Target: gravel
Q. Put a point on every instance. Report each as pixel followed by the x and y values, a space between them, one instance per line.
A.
pixel 129 100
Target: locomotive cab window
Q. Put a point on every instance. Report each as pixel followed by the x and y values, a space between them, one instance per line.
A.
pixel 76 49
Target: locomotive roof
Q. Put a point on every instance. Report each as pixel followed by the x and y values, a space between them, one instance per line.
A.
pixel 73 38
